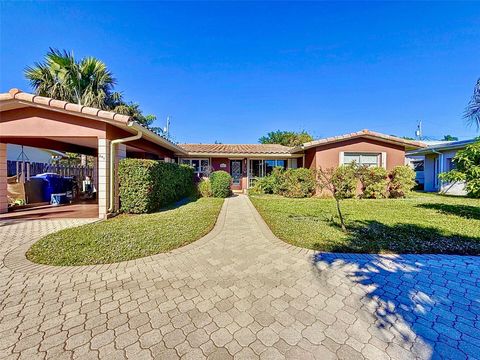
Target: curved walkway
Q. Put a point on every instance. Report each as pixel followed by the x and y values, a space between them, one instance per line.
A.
pixel 238 292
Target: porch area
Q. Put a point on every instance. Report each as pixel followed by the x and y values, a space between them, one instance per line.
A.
pixel 243 170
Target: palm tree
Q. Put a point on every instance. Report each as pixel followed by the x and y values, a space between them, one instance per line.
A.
pixel 472 111
pixel 86 82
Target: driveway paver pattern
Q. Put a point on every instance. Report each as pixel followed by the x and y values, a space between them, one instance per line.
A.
pixel 237 293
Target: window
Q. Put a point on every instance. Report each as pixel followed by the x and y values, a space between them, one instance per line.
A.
pixel 200 166
pixel 450 164
pixel 366 159
pixel 261 168
pixel 418 165
pixel 271 164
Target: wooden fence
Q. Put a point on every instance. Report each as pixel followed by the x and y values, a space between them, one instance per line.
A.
pixel 23 170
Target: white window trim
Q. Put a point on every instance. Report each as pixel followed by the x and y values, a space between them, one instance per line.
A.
pixel 381 156
pixel 199 172
pixel 384 160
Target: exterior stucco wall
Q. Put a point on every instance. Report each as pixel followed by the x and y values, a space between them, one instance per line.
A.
pixel 310 158
pixel 217 162
pixel 149 150
pixel 34 122
pixel 327 156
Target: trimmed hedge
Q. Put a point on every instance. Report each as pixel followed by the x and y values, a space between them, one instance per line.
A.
pixel 402 181
pixel 220 183
pixel 149 185
pixel 374 182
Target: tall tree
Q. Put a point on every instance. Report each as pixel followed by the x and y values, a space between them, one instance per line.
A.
pixel 86 82
pixel 449 138
pixel 286 138
pixel 472 111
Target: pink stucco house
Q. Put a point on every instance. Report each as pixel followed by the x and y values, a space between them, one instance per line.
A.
pixel 250 161
pixel 31 120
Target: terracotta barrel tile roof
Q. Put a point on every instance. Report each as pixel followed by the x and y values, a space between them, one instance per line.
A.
pixel 236 148
pixel 116 119
pixel 15 94
pixel 363 133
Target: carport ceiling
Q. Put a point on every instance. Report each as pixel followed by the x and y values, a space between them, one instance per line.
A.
pixel 82 145
pixel 88 142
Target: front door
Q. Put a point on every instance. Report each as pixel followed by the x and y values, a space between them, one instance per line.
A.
pixel 236 172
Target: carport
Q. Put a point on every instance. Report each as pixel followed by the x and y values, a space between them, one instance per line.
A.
pixel 31 120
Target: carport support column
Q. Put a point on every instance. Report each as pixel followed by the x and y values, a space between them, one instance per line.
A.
pixel 120 153
pixel 103 176
pixel 3 178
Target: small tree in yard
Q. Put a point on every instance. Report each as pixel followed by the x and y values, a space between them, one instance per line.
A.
pixel 339 182
pixel 467 162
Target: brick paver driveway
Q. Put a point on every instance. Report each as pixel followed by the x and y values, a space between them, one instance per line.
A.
pixel 237 292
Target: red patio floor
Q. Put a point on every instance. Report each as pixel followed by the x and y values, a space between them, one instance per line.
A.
pixel 79 210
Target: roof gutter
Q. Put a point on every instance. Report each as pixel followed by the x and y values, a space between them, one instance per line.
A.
pixel 150 135
pixel 112 160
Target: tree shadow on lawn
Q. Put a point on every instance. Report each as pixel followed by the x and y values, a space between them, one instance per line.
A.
pixel 464 211
pixel 427 304
pixel 371 236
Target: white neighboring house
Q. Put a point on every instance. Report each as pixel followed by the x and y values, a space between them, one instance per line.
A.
pixel 44 156
pixel 437 159
pixel 417 162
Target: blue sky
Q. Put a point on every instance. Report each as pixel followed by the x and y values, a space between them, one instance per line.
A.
pixel 232 72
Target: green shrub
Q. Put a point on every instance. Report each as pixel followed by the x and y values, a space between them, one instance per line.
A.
pixel 374 182
pixel 149 185
pixel 205 188
pixel 298 183
pixel 220 182
pixel 344 180
pixel 273 183
pixel 402 181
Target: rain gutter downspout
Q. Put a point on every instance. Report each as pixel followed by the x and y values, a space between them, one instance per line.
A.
pixel 112 159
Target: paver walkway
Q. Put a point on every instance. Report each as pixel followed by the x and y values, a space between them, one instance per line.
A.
pixel 237 292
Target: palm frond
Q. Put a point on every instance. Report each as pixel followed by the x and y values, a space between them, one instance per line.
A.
pixel 472 111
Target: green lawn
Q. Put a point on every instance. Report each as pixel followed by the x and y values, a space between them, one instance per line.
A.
pixel 127 237
pixel 422 223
